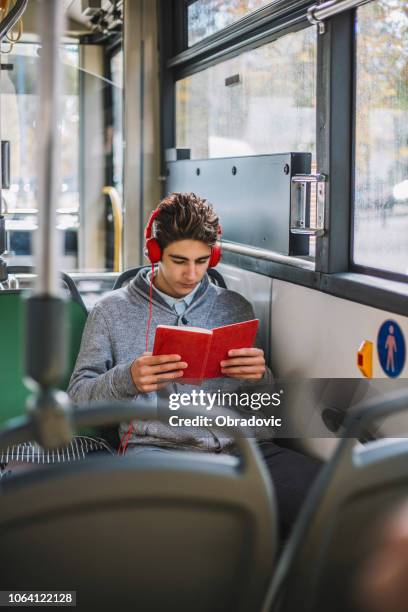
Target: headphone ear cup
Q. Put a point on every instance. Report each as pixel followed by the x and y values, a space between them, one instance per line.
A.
pixel 215 256
pixel 153 250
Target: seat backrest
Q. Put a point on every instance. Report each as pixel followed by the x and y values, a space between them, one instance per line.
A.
pixel 163 531
pixel 67 281
pixel 12 388
pixel 334 532
pixel 127 275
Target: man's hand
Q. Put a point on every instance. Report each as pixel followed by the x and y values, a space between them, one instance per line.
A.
pixel 248 364
pixel 152 373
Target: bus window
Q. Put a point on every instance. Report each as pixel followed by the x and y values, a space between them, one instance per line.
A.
pixel 262 101
pixel 19 114
pixel 381 139
pixel 91 151
pixel 207 17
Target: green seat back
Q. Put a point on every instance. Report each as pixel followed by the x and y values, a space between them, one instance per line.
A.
pixel 13 391
pixel 76 322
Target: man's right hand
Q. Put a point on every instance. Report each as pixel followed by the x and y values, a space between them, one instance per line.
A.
pixel 150 373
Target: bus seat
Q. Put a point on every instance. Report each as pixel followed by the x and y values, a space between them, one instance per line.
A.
pixel 13 390
pixel 168 531
pixel 334 533
pixel 123 278
pixel 67 281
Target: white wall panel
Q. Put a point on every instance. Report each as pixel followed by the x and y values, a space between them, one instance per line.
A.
pixel 257 289
pixel 315 335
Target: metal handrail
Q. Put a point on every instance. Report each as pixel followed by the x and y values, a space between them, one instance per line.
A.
pixel 249 251
pixel 317 13
pixel 73 210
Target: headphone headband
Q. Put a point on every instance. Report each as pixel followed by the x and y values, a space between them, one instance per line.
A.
pixel 149 226
pixel 153 250
pixel 216 249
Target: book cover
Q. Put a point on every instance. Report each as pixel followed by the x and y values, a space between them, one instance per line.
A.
pixel 191 343
pixel 225 338
pixel 204 349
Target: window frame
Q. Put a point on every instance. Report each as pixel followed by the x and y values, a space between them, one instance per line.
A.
pixel 246 23
pixel 109 51
pixel 335 272
pixel 242 32
pixel 354 267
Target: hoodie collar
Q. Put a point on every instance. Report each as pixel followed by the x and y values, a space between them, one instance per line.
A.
pixel 141 285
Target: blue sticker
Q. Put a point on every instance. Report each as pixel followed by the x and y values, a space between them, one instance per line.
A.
pixel 391 348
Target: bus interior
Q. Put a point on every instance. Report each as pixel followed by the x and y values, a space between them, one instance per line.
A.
pixel 291 117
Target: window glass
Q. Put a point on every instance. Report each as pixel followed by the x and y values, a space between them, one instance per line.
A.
pixel 117 107
pixel 260 102
pixel 263 101
pixel 91 153
pixel 18 103
pixel 205 17
pixel 381 139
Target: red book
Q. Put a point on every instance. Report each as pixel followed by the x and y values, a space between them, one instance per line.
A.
pixel 204 349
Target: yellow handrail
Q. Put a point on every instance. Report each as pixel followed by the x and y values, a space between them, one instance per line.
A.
pixel 113 194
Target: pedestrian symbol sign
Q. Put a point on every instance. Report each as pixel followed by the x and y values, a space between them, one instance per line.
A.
pixel 391 348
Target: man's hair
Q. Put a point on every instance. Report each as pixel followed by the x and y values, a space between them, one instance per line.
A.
pixel 185 216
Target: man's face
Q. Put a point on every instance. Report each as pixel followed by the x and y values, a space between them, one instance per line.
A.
pixel 182 267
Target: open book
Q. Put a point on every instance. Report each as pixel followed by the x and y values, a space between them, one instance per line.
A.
pixel 204 349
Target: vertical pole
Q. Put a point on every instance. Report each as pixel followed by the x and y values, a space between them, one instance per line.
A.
pixel 46 332
pixel 132 37
pixel 46 243
pixel 3 263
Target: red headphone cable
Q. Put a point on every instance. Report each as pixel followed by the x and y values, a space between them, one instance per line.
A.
pixel 150 308
pixel 125 440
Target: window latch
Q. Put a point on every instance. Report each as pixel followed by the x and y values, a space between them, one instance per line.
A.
pixel 303 218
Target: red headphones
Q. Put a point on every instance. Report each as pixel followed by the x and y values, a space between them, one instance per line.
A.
pixel 153 250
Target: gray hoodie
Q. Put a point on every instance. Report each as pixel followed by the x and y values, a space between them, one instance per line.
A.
pixel 115 335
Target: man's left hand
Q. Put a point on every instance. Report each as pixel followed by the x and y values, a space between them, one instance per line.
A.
pixel 248 364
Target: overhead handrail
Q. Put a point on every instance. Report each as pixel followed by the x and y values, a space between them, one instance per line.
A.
pixel 317 13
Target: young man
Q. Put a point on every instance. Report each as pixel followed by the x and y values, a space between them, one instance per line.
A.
pixel 113 362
